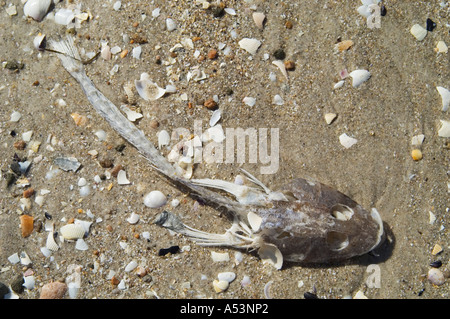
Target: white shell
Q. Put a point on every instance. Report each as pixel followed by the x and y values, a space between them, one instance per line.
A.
pixel 445 95
pixel 359 77
pixel 170 24
pixel 254 220
pixel 417 139
pixel 25 259
pixel 122 178
pixel 329 117
pixel 81 244
pixel 281 66
pixel 220 257
pixel 136 52
pixel 444 131
pixel 133 219
pixel 250 101
pixel 155 199
pixel 38 41
pixel 72 231
pixel 259 18
pixel 105 52
pixel 14 258
pixel 270 254
pixel 441 47
pixel 15 116
pixel 28 282
pixel 250 45
pixel 51 243
pixel 131 115
pixel 347 141
pixel 338 84
pixel 220 285
pixel 131 265
pixel 64 16
pixel 147 89
pixel 418 32
pixel 36 9
pixel 163 138
pixel 228 276
pixel 278 100
pixel 215 117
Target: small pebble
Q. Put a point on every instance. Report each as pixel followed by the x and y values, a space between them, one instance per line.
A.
pixel 430 25
pixel 279 54
pixel 53 290
pixel 288 24
pixel 165 251
pixel 212 54
pixel 20 145
pixel 436 264
pixel 436 277
pixel 289 65
pixel 416 154
pixel 210 104
pixel 4 290
pixel 17 284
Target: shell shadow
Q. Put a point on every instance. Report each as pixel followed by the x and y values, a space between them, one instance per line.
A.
pixel 378 255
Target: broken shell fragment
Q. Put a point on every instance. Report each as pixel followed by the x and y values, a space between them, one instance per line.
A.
pixel 444 131
pixel 359 77
pixel 250 45
pixel 81 245
pixel 270 254
pixel 347 141
pixel 36 9
pixel 281 66
pixel 445 95
pixel 441 47
pixel 330 117
pixel 122 178
pixel 67 163
pixel 343 45
pixel 39 42
pixel 147 89
pixel 220 285
pixel 72 231
pixel 418 32
pixel 259 18
pixel 26 224
pixel 51 243
pixel 254 220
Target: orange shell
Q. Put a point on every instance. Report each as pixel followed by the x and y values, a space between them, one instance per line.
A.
pixel 26 224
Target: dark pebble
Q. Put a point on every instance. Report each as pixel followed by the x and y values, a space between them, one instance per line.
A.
pixel 218 11
pixel 120 148
pixel 4 290
pixel 48 216
pixel 430 25
pixel 310 295
pixel 436 264
pixel 13 65
pixel 165 251
pixel 279 54
pixel 17 284
pixel 383 10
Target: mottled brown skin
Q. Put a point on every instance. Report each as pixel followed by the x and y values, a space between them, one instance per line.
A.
pixel 305 230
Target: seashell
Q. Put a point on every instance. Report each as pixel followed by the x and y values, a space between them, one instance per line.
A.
pixel 72 231
pixel 64 16
pixel 26 224
pixel 343 45
pixel 85 224
pixel 79 120
pixel 15 116
pixel 360 295
pixel 417 139
pixel 245 282
pixel 441 47
pixel 445 95
pixel 85 191
pixel 81 245
pixel 51 243
pixel 281 66
pixel 163 138
pixel 219 257
pixel 277 100
pixel 155 199
pixel 29 282
pixel 53 290
pixel 131 266
pixel 133 219
pixel 436 277
pixel 270 254
pixel 36 9
pixel 359 77
pixel 171 25
pixel 444 131
pixel 39 42
pixel 215 117
pixel 259 18
pixel 25 259
pixel 437 249
pixel 46 252
pixel 101 135
pixel 220 285
pixel 122 178
pixel 230 11
pixel 347 141
pixel 105 52
pixel 148 90
pixel 267 289
pixel 418 32
pixel 254 220
pixel 250 45
pixel 136 52
pixel 14 258
pixel 250 101
pixel 228 276
pixel 216 133
pixel 67 163
pixel 338 84
pixel 330 117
